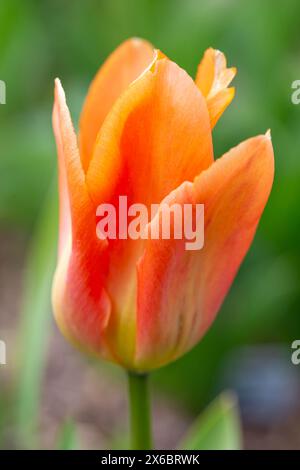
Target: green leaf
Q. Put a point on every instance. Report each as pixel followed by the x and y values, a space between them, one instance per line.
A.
pixel 217 428
pixel 35 320
pixel 67 439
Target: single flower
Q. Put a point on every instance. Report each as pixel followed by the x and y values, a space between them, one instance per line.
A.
pixel 145 132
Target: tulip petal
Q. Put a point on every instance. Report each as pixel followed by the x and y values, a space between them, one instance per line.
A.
pixel 81 304
pixel 74 199
pixel 123 66
pixel 156 136
pixel 180 291
pixel 213 78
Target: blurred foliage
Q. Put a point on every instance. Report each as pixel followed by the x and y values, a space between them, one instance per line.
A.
pixel 70 39
pixel 35 318
pixel 67 439
pixel 217 428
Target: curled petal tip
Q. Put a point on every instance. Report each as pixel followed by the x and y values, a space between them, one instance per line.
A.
pixel 213 79
pixel 59 91
pixel 268 134
pixel 137 40
pixel 57 83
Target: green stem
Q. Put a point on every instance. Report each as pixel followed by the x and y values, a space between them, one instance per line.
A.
pixel 140 415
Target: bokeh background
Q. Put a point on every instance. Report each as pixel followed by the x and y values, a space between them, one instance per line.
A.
pixel 48 391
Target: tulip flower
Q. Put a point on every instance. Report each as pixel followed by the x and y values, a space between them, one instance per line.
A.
pixel 146 132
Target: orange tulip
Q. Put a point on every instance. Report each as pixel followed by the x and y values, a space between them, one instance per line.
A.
pixel 145 132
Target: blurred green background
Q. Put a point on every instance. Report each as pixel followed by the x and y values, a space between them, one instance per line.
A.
pixel 70 39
